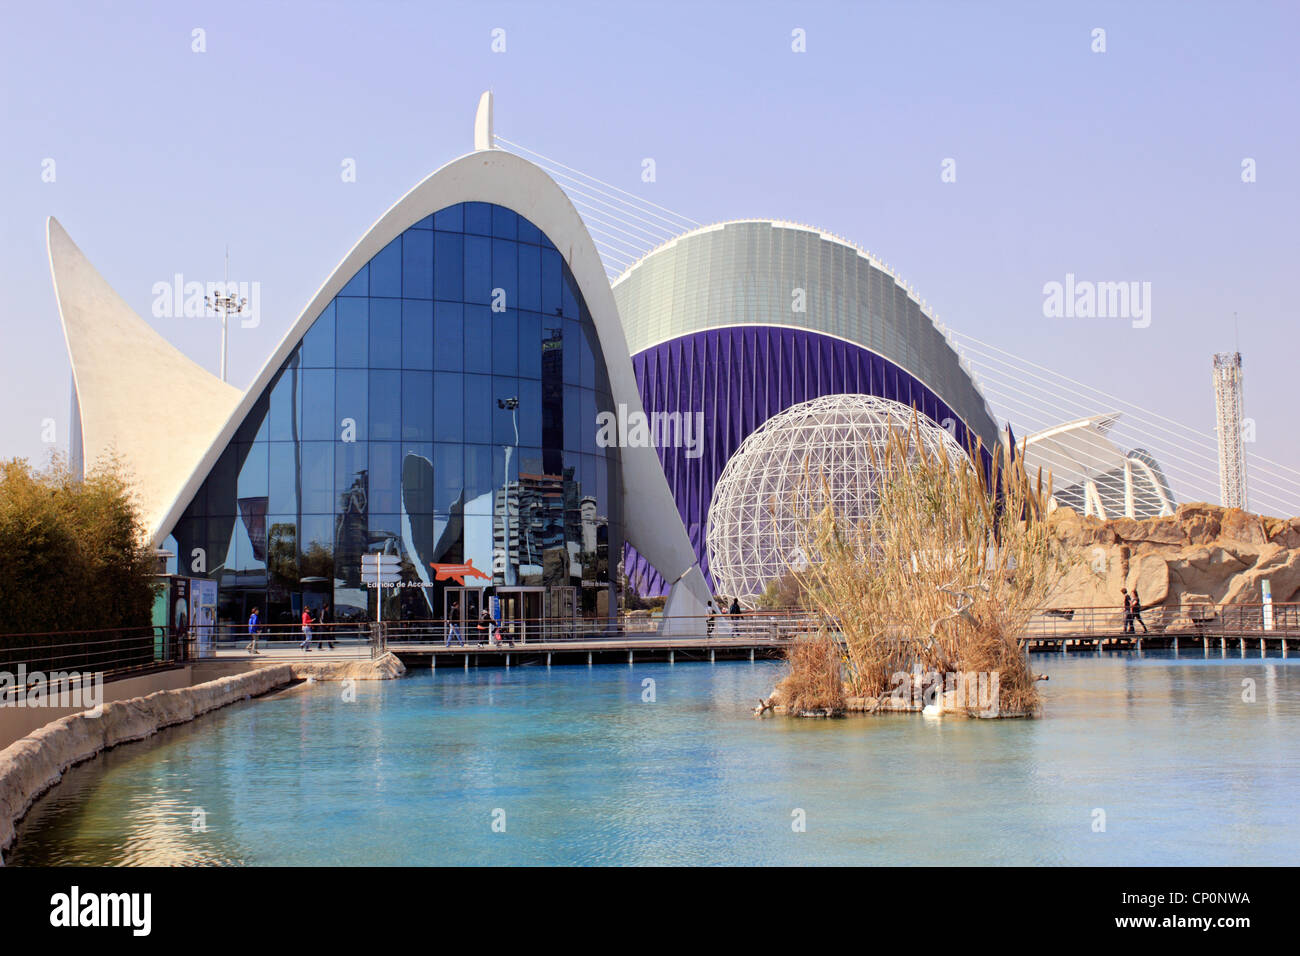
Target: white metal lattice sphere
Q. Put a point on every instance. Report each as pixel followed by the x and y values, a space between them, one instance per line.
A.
pixel 773 484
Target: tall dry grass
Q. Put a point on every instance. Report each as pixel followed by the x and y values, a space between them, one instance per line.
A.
pixel 942 576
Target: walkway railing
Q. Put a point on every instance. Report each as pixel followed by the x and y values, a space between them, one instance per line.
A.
pixel 29 659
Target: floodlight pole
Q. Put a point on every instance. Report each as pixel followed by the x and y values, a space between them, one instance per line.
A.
pixel 225 304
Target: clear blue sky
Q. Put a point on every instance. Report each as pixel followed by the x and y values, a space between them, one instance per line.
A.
pixel 1115 166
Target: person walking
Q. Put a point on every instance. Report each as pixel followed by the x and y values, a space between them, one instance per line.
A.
pixel 735 607
pixel 326 633
pixel 1137 614
pixel 713 616
pixel 484 626
pixel 254 626
pixel 306 630
pixel 1128 611
pixel 453 625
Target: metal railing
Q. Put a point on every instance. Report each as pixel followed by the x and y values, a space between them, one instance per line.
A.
pixel 107 652
pixel 1186 619
pixel 752 627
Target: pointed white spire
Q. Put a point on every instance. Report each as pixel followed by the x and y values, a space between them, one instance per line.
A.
pixel 483 122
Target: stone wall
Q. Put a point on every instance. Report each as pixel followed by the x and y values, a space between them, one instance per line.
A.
pixel 1182 565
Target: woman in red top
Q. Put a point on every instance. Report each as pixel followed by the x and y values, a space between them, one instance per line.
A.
pixel 306 629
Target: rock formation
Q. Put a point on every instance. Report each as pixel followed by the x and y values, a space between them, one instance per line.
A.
pixel 1184 566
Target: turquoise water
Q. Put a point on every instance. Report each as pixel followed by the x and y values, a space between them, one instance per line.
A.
pixel 582 770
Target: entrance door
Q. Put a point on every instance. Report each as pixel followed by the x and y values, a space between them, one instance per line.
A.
pixel 521 613
pixel 462 606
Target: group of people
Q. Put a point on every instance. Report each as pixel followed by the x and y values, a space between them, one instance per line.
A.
pixel 1132 611
pixel 734 610
pixel 255 628
pixel 489 630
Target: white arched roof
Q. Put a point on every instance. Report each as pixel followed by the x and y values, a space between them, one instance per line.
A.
pixel 652 523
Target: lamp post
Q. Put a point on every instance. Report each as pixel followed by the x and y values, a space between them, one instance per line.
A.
pixel 513 405
pixel 226 304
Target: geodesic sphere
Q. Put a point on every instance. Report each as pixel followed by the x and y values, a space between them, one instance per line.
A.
pixel 813 454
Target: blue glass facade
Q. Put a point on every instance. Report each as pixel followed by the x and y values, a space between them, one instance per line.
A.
pixel 390 428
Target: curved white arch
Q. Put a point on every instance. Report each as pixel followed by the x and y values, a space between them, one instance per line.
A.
pixel 137 395
pixel 495 176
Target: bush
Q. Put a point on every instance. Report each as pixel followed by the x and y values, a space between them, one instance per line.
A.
pixel 942 577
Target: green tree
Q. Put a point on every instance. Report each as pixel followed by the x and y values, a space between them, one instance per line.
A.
pixel 73 554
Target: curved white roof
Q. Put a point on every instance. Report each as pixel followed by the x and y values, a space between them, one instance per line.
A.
pixel 487 175
pixel 140 397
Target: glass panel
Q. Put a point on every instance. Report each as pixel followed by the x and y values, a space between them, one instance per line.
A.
pixel 318 404
pixel 479 486
pixel 385 333
pixel 318 343
pixel 385 405
pixel 528 232
pixel 478 338
pixel 284 405
pixel 386 271
pixel 530 278
pixel 417 334
pixel 505 222
pixel 417 265
pixel 503 388
pixel 417 406
pixel 448 266
pixel 359 284
pixel 478 270
pixel 505 343
pixel 530 413
pixel 448 406
pixel 530 344
pixel 253 472
pixel 283 478
pixel 448 477
pixel 478 408
pixel 316 560
pixel 417 479
pixel 317 477
pixel 551 282
pixel 449 336
pixel 451 219
pixel 478 218
pixel 385 476
pixel 351 403
pixel 505 274
pixel 221 483
pixel 351 344
pixel 256 427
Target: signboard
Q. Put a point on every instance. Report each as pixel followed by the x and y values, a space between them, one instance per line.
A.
pixel 378 570
pixel 381 568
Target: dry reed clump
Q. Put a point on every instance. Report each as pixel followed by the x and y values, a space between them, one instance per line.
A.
pixel 941 577
pixel 814 682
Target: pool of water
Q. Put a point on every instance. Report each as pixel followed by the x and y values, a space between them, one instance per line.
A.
pixel 577 765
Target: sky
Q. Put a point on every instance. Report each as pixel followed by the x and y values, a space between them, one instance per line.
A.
pixel 1117 165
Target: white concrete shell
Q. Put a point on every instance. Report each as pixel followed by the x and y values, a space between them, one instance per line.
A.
pixel 156 376
pixel 136 394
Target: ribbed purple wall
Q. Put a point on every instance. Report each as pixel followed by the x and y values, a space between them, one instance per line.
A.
pixel 739 377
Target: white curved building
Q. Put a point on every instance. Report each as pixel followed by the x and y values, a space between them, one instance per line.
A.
pixel 1093 475
pixel 436 399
